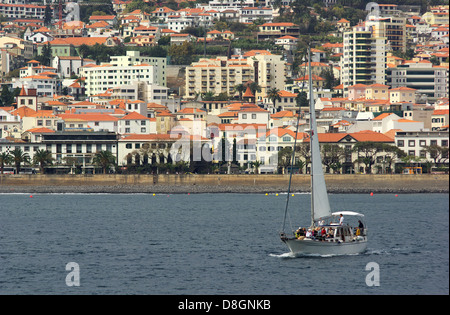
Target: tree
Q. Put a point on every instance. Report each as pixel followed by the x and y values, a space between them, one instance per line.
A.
pixel 181 54
pixel 392 153
pixel 367 151
pixel 254 87
pixel 104 159
pixel 42 157
pixel 274 95
pixel 331 156
pixel 437 153
pixel 240 88
pixel 284 158
pixel 5 159
pixel 46 55
pixel 302 99
pixel 47 15
pixel 7 97
pixel 304 150
pixel 301 165
pixel 19 157
pixel 256 165
pixel 330 80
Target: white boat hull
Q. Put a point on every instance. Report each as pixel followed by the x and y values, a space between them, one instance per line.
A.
pixel 311 247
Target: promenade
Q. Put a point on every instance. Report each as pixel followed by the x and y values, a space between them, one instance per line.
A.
pixel 193 183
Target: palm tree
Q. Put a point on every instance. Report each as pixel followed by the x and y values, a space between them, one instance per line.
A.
pixel 19 157
pixel 104 159
pixel 274 95
pixel 254 87
pixel 42 157
pixel 256 164
pixel 5 159
pixel 240 88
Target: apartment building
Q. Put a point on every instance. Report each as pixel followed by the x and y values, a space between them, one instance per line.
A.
pixel 428 80
pixel 393 28
pixel 364 59
pixel 22 11
pixel 270 71
pixel 134 58
pixel 124 71
pixel 218 75
pixel 251 14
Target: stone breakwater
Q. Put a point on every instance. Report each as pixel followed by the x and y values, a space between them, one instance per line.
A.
pixel 171 184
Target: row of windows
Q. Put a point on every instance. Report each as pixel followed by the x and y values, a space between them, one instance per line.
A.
pixel 422 143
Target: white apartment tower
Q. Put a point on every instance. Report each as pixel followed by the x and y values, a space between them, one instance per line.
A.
pixel 364 59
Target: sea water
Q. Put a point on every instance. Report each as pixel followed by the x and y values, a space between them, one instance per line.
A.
pixel 214 244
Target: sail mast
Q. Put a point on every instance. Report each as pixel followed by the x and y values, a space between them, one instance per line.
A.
pixel 312 115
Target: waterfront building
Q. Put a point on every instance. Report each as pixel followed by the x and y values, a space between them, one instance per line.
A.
pixel 413 143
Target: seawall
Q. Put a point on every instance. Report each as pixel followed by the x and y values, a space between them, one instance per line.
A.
pixel 192 183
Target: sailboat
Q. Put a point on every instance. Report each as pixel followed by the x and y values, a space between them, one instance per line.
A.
pixel 329 233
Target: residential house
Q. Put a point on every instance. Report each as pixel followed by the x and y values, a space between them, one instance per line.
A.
pixel 134 123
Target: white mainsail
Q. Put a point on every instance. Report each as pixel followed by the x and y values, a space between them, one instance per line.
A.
pixel 320 206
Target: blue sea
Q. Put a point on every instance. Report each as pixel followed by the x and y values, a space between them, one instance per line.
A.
pixel 214 244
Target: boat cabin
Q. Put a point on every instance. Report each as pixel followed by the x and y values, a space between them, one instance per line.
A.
pixel 328 230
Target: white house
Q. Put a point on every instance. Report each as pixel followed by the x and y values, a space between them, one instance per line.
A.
pixel 253 115
pixel 69 65
pixel 134 123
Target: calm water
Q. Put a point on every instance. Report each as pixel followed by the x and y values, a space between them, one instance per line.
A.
pixel 213 244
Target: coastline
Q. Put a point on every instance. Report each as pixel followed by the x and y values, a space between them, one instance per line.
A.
pixel 182 184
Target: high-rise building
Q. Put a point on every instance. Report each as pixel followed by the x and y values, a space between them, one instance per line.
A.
pixel 364 58
pixel 391 27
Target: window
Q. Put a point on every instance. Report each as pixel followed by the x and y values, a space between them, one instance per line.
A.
pixel 422 143
pixel 444 143
pixel 79 148
pixel 400 143
pixel 411 143
pixel 412 152
pixel 253 116
pixel 68 148
pixel 128 146
pixel 244 116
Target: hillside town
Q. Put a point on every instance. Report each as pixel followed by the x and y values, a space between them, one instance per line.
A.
pixel 221 86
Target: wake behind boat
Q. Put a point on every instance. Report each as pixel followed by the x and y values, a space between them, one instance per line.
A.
pixel 329 233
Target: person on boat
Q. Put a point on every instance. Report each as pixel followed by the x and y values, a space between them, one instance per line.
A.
pixel 361 226
pixel 323 233
pixel 309 234
pixel 341 219
pixel 330 233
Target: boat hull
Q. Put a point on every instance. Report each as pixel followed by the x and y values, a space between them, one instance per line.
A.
pixel 311 247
